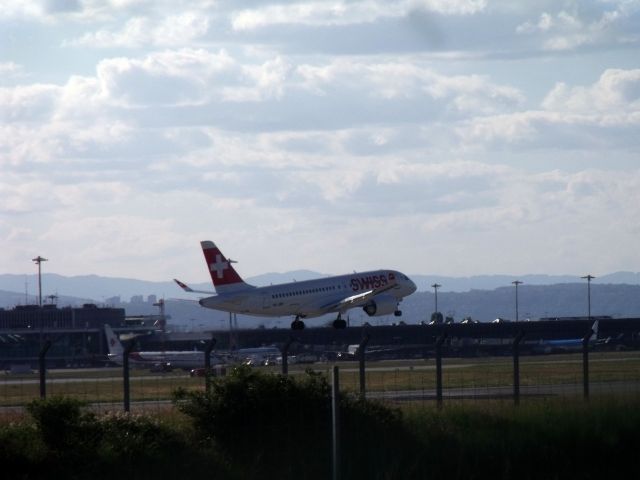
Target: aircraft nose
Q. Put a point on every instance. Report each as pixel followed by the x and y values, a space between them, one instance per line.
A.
pixel 412 286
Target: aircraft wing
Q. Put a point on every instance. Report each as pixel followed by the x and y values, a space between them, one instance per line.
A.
pixel 187 288
pixel 355 300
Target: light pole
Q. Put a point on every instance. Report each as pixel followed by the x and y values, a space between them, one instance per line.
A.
pixel 516 283
pixel 435 288
pixel 39 260
pixel 588 278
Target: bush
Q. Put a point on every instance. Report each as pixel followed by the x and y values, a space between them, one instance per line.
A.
pixel 76 444
pixel 266 423
pixel 138 446
pixel 278 427
pixel 63 425
pixel 21 449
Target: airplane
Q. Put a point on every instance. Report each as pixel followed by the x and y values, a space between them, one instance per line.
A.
pixel 185 359
pixel 377 292
pixel 255 355
pixel 571 344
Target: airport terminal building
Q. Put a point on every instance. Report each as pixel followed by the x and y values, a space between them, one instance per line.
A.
pixel 76 334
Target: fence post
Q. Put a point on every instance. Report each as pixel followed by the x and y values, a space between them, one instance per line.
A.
pixel 43 370
pixel 207 363
pixel 335 411
pixel 585 362
pixel 125 374
pixel 285 356
pixel 361 352
pixel 516 367
pixel 439 341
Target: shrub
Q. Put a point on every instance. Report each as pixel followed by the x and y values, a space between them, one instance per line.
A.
pixel 140 446
pixel 76 444
pixel 63 424
pixel 279 427
pixel 21 449
pixel 266 423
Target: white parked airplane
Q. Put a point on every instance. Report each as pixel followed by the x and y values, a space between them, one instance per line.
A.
pixel 186 359
pixel 377 292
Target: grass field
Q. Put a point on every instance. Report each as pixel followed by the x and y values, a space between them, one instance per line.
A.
pixel 106 385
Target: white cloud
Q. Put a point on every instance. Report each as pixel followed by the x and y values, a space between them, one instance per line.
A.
pixel 603 115
pixel 585 25
pixel 615 91
pixel 31 103
pixel 174 30
pixel 327 130
pixel 339 13
pixel 410 79
pixel 172 77
pixel 23 9
pixel 10 71
pixel 111 243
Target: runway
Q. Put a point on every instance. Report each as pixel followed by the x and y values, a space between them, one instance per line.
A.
pixel 477 393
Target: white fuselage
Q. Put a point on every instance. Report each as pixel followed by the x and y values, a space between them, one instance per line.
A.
pixel 195 359
pixel 313 298
pixel 177 359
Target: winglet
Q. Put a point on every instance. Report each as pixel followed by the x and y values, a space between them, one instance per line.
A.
pixel 183 286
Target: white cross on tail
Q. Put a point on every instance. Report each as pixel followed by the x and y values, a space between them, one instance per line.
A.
pixel 220 266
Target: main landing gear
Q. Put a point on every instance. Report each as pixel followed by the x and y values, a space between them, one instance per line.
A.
pixel 297 324
pixel 339 323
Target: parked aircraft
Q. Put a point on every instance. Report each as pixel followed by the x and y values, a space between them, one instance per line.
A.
pixel 377 292
pixel 571 344
pixel 186 359
pixel 255 356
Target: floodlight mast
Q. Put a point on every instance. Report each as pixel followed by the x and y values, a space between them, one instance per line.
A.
pixel 516 283
pixel 39 261
pixel 436 286
pixel 588 278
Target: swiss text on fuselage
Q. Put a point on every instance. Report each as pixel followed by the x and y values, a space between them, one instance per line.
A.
pixel 369 282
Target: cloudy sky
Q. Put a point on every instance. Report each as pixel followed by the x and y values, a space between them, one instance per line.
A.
pixel 452 137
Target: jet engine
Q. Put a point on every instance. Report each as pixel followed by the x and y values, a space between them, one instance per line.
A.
pixel 381 305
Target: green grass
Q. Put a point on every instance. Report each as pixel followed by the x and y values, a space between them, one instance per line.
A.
pixel 543 439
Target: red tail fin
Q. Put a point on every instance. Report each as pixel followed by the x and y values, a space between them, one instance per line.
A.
pixel 223 274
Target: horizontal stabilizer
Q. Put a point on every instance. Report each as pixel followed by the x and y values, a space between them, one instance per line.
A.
pixel 187 288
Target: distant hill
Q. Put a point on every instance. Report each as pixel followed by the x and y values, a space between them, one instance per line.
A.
pixel 489 282
pixel 534 301
pixel 11 299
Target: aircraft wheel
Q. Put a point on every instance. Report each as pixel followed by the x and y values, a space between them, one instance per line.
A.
pixel 398 313
pixel 339 324
pixel 297 325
